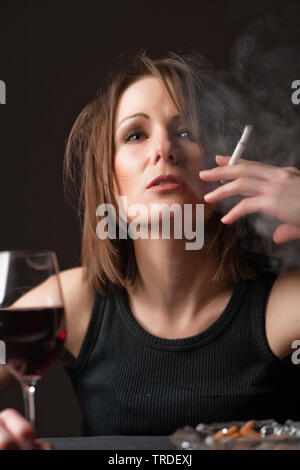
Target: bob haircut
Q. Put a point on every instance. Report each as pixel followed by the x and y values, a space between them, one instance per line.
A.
pixel 89 157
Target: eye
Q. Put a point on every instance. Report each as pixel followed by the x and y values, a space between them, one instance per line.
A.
pixel 187 132
pixel 131 136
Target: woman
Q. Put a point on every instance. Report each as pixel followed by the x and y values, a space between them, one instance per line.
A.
pixel 160 336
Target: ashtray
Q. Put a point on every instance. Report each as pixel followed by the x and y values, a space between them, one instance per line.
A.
pixel 239 435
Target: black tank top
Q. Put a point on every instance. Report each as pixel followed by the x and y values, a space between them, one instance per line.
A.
pixel 128 381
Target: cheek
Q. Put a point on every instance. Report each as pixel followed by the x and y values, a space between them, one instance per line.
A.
pixel 125 170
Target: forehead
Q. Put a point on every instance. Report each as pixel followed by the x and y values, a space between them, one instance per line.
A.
pixel 146 95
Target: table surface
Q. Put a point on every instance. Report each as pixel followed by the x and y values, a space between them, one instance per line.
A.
pixel 112 443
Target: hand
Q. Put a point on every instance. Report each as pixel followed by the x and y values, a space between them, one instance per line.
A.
pixel 275 191
pixel 16 433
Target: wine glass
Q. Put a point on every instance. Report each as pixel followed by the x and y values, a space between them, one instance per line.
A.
pixel 31 317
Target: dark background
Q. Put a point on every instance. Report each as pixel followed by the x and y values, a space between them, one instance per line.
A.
pixel 54 57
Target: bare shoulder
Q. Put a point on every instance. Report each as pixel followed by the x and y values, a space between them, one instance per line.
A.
pixel 78 301
pixel 283 313
pixel 76 290
pixel 78 297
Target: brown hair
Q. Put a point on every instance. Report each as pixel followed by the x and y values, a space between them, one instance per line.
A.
pixel 91 145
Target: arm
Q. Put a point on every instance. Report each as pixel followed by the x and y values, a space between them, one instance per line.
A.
pixel 78 300
pixel 33 298
pixel 283 313
pixel 274 191
pixel 15 431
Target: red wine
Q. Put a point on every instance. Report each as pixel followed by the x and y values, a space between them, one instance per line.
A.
pixel 33 338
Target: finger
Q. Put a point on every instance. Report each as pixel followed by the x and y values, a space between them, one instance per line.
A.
pixel 248 168
pixel 222 160
pixel 243 186
pixel 293 169
pixel 286 233
pixel 45 445
pixel 247 206
pixel 7 441
pixel 21 430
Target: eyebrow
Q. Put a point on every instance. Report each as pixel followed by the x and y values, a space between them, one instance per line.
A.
pixel 144 116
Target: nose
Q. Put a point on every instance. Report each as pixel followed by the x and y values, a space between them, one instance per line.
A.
pixel 164 149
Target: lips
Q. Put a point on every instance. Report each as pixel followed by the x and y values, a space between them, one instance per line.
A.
pixel 172 179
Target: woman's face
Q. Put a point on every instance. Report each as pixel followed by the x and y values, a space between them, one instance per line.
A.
pixel 152 139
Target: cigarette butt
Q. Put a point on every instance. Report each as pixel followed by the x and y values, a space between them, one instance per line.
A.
pixel 218 435
pixel 234 435
pixel 248 430
pixel 225 432
pixel 248 425
pixel 249 433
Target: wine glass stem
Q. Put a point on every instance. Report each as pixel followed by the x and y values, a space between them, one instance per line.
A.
pixel 28 388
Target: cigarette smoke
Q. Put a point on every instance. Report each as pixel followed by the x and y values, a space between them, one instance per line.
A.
pixel 264 62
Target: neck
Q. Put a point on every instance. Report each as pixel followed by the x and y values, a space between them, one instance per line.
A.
pixel 172 279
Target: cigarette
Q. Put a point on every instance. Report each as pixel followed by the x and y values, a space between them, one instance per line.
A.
pixel 241 145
